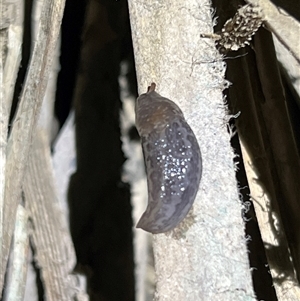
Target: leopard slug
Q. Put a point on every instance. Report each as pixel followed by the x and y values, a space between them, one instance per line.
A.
pixel 172 158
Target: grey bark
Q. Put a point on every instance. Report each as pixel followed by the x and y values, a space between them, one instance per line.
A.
pixel 205 257
pixel 27 164
pixel 54 252
pixel 19 141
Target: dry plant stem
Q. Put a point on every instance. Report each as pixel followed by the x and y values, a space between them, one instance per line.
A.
pixel 20 248
pixel 205 256
pixel 31 98
pixel 9 66
pixel 54 252
pixel 287 288
pixel 3 137
pixel 12 62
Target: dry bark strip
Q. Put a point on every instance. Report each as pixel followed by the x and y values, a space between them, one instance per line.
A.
pixel 11 25
pixel 19 142
pixel 54 251
pixel 16 276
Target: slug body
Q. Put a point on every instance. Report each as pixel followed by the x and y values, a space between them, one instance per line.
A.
pixel 173 161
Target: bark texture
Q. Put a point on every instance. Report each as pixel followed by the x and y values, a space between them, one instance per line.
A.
pixel 29 180
pixel 19 141
pixel 269 151
pixel 205 257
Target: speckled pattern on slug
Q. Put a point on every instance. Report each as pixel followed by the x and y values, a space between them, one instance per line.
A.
pixel 173 162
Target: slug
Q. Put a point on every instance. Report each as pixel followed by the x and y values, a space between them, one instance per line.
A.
pixel 172 158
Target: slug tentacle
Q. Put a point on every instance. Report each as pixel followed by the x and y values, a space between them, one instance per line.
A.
pixel 173 161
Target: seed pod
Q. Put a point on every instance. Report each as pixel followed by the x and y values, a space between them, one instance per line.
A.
pixel 173 161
